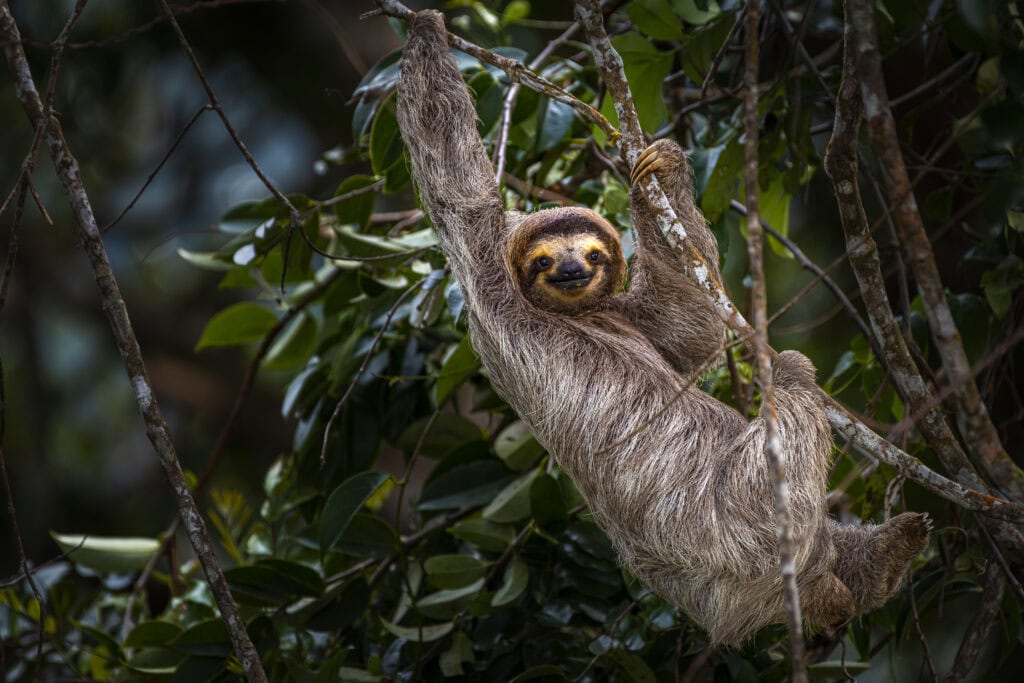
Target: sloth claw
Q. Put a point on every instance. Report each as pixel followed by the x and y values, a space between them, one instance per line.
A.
pixel 648 162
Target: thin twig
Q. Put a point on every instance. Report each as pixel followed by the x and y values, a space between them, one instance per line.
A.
pixel 713 69
pixel 163 160
pixel 517 72
pixel 920 633
pixel 362 368
pixel 1003 564
pixel 984 619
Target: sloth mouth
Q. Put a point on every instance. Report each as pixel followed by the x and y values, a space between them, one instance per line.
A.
pixel 570 283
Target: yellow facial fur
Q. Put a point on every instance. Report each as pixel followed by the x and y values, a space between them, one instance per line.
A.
pixel 569 273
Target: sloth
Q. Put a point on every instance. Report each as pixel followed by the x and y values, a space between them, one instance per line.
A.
pixel 678 480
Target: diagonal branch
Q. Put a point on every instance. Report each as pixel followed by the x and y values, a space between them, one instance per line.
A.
pixel 977 426
pixel 68 173
pixel 517 72
pixel 772 444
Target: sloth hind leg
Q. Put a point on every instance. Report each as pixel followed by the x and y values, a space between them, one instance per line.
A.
pixel 872 559
pixel 827 602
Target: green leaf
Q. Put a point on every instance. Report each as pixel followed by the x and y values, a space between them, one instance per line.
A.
pixel 988 79
pixel 516 11
pixel 295 577
pixel 460 364
pixel 206 260
pixel 295 345
pixel 513 503
pixel 554 123
pixel 548 672
pixel 1001 283
pixel 336 612
pixel 517 576
pixel 368 536
pixel 484 534
pixel 206 639
pixel 472 484
pixel 775 203
pixel 631 666
pixel 647 65
pixel 254 586
pixel 447 432
pixel 424 634
pixel 517 447
pixel 364 245
pixel 1015 219
pixel 454 571
pixel 342 505
pixel 461 651
pixel 107 554
pixel 348 674
pixel 236 325
pixel 655 18
pixel 356 209
pixel 722 166
pixel 546 503
pixel 687 9
pixel 445 604
pixel 152 634
pixel 385 142
pixel 607 110
pixel 489 94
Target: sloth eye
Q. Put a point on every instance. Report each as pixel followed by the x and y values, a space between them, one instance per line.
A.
pixel 594 256
pixel 543 262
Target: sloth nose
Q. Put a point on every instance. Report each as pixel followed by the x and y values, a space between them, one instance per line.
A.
pixel 571 269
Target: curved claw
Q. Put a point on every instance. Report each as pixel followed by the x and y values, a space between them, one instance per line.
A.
pixel 648 162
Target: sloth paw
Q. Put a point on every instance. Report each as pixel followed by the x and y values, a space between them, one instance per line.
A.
pixel 660 155
pixel 914 528
pixel 906 535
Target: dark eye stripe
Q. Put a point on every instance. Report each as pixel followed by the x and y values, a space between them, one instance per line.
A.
pixel 594 256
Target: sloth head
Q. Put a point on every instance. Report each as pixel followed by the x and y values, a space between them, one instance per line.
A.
pixel 566 260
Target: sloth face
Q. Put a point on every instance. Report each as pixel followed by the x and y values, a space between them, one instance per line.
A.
pixel 568 261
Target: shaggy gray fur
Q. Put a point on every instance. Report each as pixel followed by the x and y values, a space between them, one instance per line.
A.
pixel 679 482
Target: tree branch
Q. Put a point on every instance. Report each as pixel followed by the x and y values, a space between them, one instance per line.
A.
pixel 68 173
pixel 772 445
pixel 517 72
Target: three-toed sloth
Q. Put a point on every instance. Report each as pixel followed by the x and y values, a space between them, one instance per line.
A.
pixel 678 480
